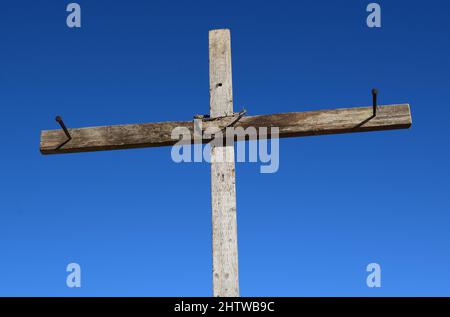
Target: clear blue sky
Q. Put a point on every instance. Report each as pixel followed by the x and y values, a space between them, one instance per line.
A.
pixel 140 224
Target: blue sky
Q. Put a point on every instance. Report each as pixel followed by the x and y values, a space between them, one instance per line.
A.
pixel 140 224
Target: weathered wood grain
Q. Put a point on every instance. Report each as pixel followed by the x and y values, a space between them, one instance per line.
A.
pixel 223 180
pixel 295 124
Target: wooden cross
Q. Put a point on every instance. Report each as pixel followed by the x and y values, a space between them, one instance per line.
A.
pixel 223 188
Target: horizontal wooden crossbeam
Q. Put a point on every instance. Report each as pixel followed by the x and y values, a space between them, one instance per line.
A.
pixel 294 124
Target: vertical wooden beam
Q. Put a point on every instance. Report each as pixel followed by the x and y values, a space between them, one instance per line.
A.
pixel 223 182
